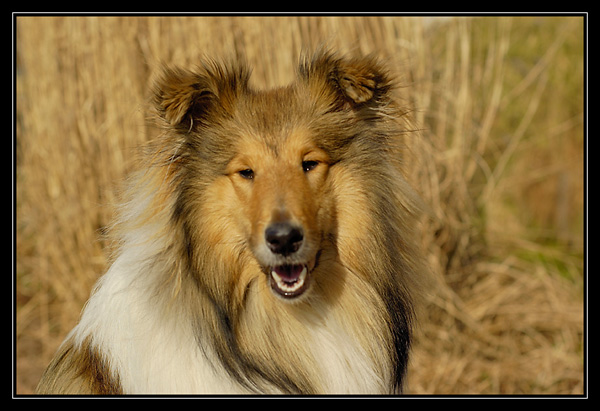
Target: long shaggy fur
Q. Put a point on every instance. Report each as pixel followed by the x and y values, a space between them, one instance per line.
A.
pixel 190 304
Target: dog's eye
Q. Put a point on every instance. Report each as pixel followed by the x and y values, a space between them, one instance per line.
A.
pixel 248 174
pixel 309 165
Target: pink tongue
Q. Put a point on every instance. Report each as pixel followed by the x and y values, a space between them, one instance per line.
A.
pixel 289 273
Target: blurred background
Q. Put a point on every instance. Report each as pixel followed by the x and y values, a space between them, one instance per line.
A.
pixel 498 159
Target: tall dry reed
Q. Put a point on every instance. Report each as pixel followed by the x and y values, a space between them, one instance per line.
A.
pixel 498 159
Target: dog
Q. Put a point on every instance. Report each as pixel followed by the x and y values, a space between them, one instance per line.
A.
pixel 268 245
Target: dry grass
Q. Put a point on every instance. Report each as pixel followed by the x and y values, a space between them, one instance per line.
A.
pixel 499 162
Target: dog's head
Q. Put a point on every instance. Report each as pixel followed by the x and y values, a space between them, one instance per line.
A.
pixel 262 174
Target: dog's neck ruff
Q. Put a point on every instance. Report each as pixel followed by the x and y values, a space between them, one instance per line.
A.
pixel 153 348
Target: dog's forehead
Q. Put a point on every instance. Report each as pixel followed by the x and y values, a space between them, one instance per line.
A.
pixel 278 107
pixel 273 113
pixel 277 142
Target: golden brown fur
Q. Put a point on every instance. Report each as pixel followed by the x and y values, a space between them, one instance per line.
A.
pixel 81 372
pixel 196 266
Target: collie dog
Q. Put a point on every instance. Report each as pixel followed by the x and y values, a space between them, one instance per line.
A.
pixel 267 246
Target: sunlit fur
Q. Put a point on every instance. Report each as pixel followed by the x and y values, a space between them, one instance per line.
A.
pixel 187 305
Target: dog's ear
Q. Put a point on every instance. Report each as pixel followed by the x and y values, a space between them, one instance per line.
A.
pixel 356 83
pixel 185 99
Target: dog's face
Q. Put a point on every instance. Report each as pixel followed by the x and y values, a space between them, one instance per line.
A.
pixel 284 213
pixel 270 161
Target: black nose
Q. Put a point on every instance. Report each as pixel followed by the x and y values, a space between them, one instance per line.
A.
pixel 283 238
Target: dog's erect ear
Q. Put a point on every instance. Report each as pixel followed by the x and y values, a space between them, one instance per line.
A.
pixel 348 82
pixel 184 98
pixel 177 92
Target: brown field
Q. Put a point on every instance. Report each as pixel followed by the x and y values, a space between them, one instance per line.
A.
pixel 499 161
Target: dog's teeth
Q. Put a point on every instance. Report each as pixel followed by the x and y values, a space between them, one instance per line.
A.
pixel 290 287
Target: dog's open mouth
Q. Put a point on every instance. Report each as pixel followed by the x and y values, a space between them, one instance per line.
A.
pixel 291 280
